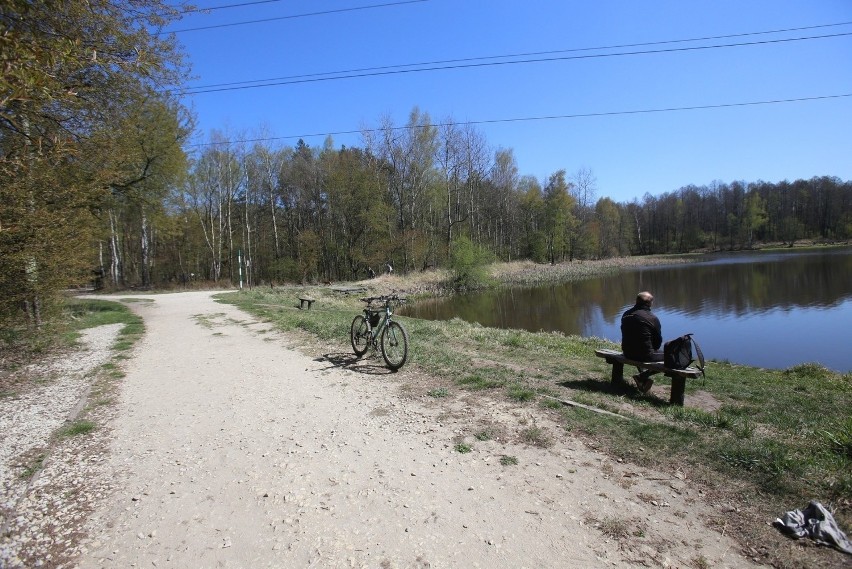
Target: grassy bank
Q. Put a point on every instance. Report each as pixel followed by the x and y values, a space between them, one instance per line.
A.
pixel 758 441
pixel 516 273
pixel 19 347
pixel 83 314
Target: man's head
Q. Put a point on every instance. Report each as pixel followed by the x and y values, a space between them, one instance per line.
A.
pixel 644 298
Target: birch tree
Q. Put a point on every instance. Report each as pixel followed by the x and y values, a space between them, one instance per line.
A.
pixel 66 67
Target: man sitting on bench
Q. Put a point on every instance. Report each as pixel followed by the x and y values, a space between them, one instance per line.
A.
pixel 641 338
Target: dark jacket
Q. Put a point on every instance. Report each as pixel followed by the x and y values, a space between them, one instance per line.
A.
pixel 641 333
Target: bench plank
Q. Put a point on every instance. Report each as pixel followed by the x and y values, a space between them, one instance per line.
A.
pixel 349 289
pixel 678 376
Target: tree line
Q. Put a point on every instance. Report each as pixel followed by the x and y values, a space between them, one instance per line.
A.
pixel 411 192
pixel 98 183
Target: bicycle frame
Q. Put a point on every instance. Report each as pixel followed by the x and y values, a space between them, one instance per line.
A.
pixel 384 320
pixel 387 334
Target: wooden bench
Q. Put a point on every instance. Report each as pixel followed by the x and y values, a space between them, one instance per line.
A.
pixel 349 289
pixel 678 376
pixel 303 300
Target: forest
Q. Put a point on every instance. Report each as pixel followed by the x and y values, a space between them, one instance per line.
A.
pixel 323 214
pixel 99 183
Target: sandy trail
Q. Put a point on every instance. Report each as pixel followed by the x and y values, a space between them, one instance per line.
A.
pixel 233 450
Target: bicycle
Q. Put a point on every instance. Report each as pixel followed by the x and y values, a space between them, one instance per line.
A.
pixel 376 327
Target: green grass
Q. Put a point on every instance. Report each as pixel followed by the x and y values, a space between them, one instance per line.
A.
pixel 479 381
pixel 838 438
pixel 463 448
pixel 785 434
pixel 438 392
pixel 80 427
pixel 62 329
pixel 485 435
pixel 84 314
pixel 536 436
pixel 520 392
pixel 34 466
pixel 507 460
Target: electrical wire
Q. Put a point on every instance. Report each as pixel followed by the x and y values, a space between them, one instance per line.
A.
pixel 312 79
pixel 226 6
pixel 538 118
pixel 525 54
pixel 294 16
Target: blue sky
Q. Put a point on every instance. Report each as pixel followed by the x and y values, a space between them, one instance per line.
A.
pixel 628 153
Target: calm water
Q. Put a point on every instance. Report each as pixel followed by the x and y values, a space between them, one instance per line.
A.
pixel 765 309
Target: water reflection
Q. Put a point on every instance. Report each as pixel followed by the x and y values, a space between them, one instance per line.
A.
pixel 766 309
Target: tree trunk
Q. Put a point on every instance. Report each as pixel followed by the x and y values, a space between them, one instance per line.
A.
pixel 146 252
pixel 115 255
pixel 638 231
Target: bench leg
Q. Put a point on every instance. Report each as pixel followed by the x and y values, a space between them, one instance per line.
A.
pixel 617 372
pixel 678 389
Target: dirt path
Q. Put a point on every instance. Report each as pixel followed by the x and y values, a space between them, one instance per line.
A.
pixel 232 449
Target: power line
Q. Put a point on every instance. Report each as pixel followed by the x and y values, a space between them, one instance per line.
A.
pixel 226 6
pixel 539 118
pixel 314 79
pixel 295 16
pixel 526 54
pixel 176 12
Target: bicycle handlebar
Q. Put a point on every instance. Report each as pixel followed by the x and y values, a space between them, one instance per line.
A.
pixel 385 298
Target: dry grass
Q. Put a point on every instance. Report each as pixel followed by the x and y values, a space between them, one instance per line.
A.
pixel 529 273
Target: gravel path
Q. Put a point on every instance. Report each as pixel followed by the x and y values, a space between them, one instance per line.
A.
pixel 230 448
pixel 41 513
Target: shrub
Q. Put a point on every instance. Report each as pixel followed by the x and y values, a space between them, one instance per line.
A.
pixel 469 264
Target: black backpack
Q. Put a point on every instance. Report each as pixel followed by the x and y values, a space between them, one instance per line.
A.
pixel 677 353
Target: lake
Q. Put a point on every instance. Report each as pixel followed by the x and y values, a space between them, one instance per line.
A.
pixel 766 309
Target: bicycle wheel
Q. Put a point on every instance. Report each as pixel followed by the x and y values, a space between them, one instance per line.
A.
pixel 394 345
pixel 360 335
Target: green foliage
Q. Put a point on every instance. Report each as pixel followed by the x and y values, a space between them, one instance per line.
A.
pixel 560 224
pixel 507 460
pixel 469 264
pixel 61 136
pixel 284 270
pixel 463 448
